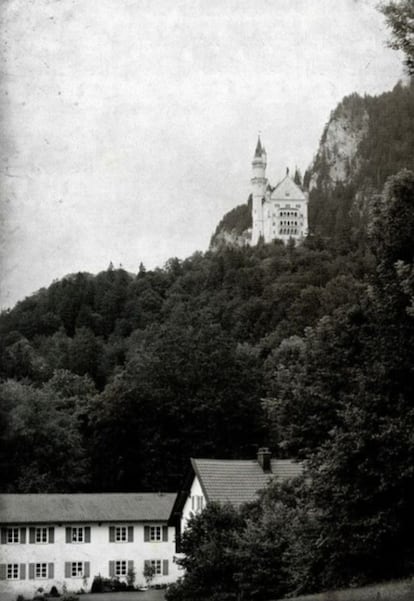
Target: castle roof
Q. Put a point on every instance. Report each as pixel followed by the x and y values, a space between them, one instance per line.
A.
pixel 287 190
pixel 93 507
pixel 259 148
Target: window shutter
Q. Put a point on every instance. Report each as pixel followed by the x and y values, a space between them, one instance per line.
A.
pixel 165 533
pixel 111 534
pixel 3 536
pixel 146 534
pixel 87 534
pixel 2 571
pixel 147 563
pixel 32 536
pixel 67 569
pixel 51 570
pixel 22 571
pixel 130 534
pixel 165 567
pixel 23 535
pixel 86 569
pixel 31 571
pixel 68 535
pixel 111 569
pixel 130 565
pixel 51 536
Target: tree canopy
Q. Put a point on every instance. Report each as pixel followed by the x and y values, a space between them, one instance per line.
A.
pixel 400 18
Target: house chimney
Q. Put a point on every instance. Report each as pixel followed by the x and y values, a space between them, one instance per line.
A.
pixel 263 457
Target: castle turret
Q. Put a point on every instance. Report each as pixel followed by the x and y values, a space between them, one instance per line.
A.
pixel 259 183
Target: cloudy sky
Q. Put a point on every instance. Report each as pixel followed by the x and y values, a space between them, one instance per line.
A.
pixel 128 126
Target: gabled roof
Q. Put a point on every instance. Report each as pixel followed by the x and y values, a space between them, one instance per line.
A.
pixel 102 507
pixel 238 481
pixel 287 190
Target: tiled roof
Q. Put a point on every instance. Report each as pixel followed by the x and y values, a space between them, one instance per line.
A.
pixel 238 481
pixel 102 507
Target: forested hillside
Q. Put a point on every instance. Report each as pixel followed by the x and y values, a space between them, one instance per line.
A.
pixel 366 140
pixel 139 372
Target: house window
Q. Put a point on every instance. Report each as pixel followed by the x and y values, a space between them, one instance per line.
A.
pixel 12 571
pixel 41 535
pixel 41 570
pixel 120 568
pixel 155 533
pixel 76 569
pixel 197 502
pixel 156 564
pixel 13 535
pixel 78 535
pixel 120 534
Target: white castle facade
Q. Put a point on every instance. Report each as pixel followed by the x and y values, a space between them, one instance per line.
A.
pixel 277 213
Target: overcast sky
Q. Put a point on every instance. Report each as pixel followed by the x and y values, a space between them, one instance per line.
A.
pixel 129 126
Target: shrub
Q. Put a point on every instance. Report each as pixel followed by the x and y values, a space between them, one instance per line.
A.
pixel 97 584
pixel 54 592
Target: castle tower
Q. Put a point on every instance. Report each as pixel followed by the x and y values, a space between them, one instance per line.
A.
pixel 258 182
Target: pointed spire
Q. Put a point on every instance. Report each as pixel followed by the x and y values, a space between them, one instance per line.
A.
pixel 259 149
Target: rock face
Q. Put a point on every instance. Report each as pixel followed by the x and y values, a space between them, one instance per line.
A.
pixel 337 159
pixel 234 229
pixel 230 238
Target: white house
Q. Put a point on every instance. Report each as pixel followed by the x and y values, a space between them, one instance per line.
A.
pixel 277 213
pixel 67 539
pixel 234 481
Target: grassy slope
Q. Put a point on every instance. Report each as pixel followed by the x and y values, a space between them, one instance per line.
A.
pixel 402 590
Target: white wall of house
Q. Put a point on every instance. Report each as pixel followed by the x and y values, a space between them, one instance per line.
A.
pixel 54 561
pixel 195 503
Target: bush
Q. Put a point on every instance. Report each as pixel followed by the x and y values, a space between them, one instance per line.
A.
pixel 97 584
pixel 54 592
pixel 108 585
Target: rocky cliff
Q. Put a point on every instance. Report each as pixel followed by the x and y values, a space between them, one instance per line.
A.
pixel 337 158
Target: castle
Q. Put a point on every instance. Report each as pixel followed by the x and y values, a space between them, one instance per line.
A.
pixel 277 213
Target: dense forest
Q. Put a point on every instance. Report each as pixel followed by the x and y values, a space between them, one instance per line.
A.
pixel 140 372
pixel 110 382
